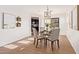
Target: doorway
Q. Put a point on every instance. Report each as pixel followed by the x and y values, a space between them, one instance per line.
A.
pixel 34 24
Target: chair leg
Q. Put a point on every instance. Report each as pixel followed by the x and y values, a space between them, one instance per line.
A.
pixel 40 41
pixel 34 40
pixel 58 43
pixel 52 45
pixel 45 43
pixel 37 43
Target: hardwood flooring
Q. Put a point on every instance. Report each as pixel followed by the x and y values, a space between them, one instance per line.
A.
pixel 26 46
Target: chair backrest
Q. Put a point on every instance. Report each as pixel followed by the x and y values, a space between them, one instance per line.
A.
pixel 35 34
pixel 54 34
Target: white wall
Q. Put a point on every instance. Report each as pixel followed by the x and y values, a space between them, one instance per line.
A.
pixel 73 37
pixel 73 34
pixel 11 35
pixel 0 20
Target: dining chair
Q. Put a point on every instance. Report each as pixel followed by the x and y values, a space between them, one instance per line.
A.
pixel 54 37
pixel 37 37
pixel 34 34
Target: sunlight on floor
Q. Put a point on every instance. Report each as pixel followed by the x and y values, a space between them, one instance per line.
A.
pixel 21 49
pixel 24 42
pixel 11 46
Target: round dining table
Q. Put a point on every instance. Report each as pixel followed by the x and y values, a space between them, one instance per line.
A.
pixel 45 35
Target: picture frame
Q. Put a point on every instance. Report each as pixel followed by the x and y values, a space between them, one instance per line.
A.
pixel 18 24
pixel 18 18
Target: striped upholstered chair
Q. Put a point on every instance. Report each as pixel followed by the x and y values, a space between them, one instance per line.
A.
pixel 54 37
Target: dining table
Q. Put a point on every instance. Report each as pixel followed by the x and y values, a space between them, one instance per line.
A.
pixel 45 34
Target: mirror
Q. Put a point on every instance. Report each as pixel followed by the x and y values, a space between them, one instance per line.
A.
pixel 73 21
pixel 55 22
pixel 9 21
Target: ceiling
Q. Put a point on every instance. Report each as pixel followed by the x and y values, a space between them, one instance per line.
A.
pixel 39 9
pixel 56 9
